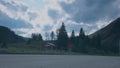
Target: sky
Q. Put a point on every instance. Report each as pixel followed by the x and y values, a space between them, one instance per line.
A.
pixel 39 16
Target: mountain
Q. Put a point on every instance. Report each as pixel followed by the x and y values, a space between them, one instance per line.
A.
pixel 8 36
pixel 110 36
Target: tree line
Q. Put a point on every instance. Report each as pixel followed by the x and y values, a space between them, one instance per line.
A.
pixel 81 43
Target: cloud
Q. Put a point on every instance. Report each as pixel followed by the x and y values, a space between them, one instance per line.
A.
pixel 14 5
pixel 15 15
pixel 48 15
pixel 12 8
pixel 24 21
pixel 26 32
pixel 91 15
pixel 89 11
pixel 12 23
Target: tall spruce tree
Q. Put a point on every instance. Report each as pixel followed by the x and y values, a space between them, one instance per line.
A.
pixel 72 34
pixel 40 37
pixel 62 39
pixel 33 36
pixel 81 34
pixel 72 38
pixel 52 35
pixel 81 43
pixel 36 37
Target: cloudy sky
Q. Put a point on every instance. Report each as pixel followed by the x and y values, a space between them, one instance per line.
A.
pixel 40 16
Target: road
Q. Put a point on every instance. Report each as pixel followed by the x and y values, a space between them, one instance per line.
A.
pixel 58 61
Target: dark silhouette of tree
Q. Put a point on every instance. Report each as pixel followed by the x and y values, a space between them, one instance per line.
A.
pixel 47 36
pixel 37 37
pixel 62 39
pixel 4 45
pixel 81 42
pixel 72 38
pixel 33 36
pixel 29 41
pixel 52 35
pixel 81 34
pixel 72 34
pixel 57 33
pixel 40 37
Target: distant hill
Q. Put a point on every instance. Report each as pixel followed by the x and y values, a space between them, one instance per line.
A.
pixel 8 36
pixel 110 35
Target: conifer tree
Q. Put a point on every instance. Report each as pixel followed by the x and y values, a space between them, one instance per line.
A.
pixel 81 34
pixel 62 40
pixel 52 35
pixel 36 37
pixel 72 38
pixel 40 37
pixel 81 41
pixel 72 34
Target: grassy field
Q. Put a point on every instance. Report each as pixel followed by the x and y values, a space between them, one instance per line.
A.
pixel 32 48
pixel 38 48
pixel 29 51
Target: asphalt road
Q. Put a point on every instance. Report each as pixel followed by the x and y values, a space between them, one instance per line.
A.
pixel 58 61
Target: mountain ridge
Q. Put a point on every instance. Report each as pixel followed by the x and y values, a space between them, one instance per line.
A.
pixel 110 35
pixel 8 36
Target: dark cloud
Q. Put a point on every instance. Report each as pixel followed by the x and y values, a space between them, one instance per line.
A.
pixel 91 10
pixel 12 23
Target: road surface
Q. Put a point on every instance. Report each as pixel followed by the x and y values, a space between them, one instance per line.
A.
pixel 58 61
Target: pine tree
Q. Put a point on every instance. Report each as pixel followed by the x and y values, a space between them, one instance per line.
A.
pixel 36 37
pixel 72 34
pixel 81 41
pixel 62 40
pixel 47 36
pixel 4 45
pixel 40 37
pixel 33 36
pixel 52 35
pixel 81 34
pixel 72 38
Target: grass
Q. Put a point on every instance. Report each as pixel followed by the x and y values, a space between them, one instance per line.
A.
pixel 38 48
pixel 45 52
pixel 32 48
pixel 31 51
